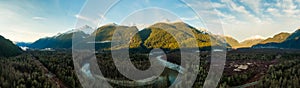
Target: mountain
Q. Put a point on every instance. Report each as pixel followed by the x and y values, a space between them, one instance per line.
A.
pixel 8 48
pixel 244 44
pixel 257 40
pixel 158 36
pixel 155 36
pixel 105 32
pixel 294 36
pixel 104 35
pixel 291 42
pixel 63 40
pixel 277 38
pixel 250 42
pixel 23 44
pixel 231 41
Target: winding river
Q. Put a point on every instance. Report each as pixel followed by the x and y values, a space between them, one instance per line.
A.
pixel 172 69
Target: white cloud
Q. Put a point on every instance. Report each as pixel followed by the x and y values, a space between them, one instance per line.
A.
pixel 290 8
pixel 218 5
pixel 90 21
pixel 236 7
pixel 38 18
pixel 82 17
pixel 227 18
pixel 276 17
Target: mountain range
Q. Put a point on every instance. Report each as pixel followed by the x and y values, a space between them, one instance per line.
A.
pixel 154 36
pixel 157 36
pixel 63 40
pixel 278 38
pixel 290 41
pixel 243 44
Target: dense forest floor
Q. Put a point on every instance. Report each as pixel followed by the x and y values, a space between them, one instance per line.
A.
pixel 48 73
pixel 54 69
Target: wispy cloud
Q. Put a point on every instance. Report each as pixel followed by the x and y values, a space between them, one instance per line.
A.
pixel 290 8
pixel 254 5
pixel 245 18
pixel 89 21
pixel 239 18
pixel 82 17
pixel 218 5
pixel 38 18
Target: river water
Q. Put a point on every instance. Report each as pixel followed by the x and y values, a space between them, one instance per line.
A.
pixel 169 74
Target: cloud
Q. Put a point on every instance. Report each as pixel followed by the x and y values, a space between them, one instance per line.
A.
pixel 218 5
pixel 235 7
pixel 20 20
pixel 245 18
pixel 90 21
pixel 240 18
pixel 290 8
pixel 38 18
pixel 273 11
pixel 253 4
pixel 82 17
pixel 227 18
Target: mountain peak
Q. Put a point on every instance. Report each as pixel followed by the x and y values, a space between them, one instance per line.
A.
pixel 286 41
pixel 178 22
pixel 111 24
pixel 85 27
pixel 161 25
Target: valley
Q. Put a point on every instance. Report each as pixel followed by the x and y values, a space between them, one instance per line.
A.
pixel 48 62
pixel 253 66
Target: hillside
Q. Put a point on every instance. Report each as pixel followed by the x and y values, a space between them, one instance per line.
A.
pixel 231 41
pixel 244 44
pixel 59 41
pixel 254 41
pixel 104 35
pixel 250 42
pixel 7 48
pixel 291 41
pixel 23 44
pixel 277 38
pixel 105 32
pixel 158 36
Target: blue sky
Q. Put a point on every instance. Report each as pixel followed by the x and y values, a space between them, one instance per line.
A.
pixel 29 20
